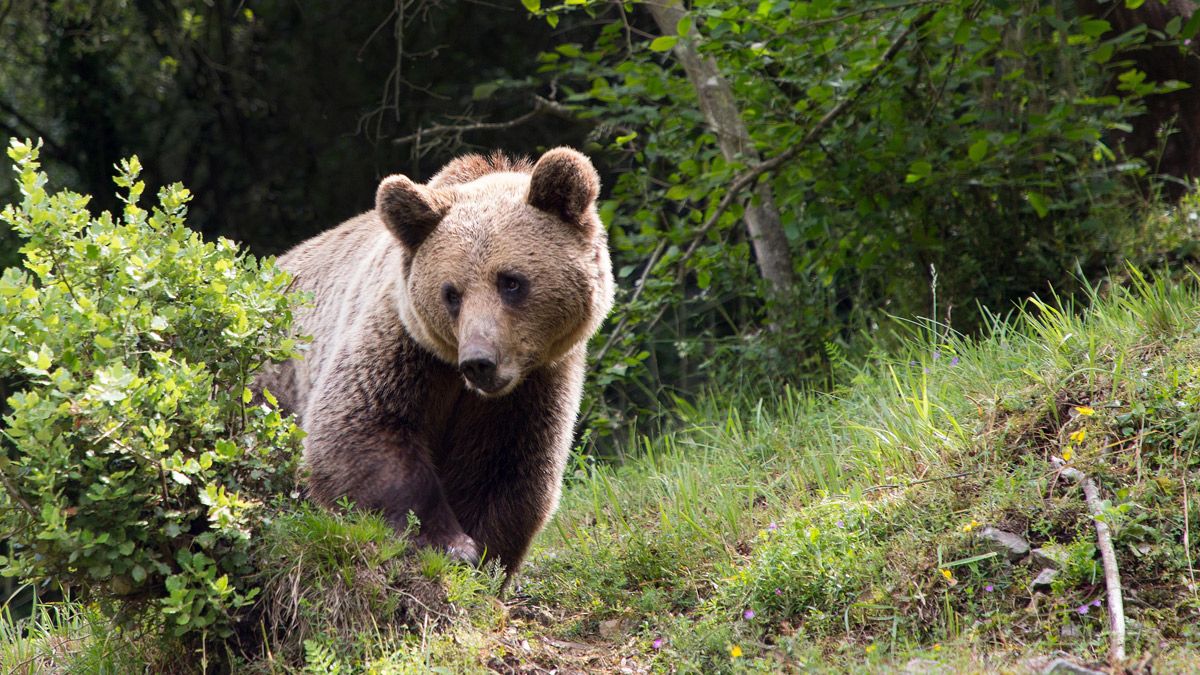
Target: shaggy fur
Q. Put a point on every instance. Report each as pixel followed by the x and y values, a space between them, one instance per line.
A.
pixel 492 262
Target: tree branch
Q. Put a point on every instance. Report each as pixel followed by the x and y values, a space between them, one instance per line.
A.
pixel 541 106
pixel 640 285
pixel 870 10
pixel 13 492
pixel 48 140
pixel 1108 556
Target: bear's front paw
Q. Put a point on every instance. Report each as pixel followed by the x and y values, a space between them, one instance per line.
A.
pixel 464 549
pixel 459 547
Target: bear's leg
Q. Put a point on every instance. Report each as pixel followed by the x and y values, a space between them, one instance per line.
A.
pixel 380 472
pixel 503 461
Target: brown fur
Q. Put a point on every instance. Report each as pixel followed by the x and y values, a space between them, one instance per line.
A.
pixel 392 422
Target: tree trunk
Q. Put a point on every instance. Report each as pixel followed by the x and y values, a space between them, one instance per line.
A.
pixel 1180 152
pixel 721 112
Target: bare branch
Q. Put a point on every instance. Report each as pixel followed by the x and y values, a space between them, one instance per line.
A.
pixel 914 483
pixel 14 493
pixel 541 106
pixel 871 10
pixel 637 292
pixel 1108 557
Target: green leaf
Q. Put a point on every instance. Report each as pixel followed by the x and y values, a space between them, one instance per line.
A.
pixel 1039 203
pixel 623 139
pixel 963 32
pixel 978 150
pixel 918 171
pixel 1105 51
pixel 663 43
pixel 42 358
pixel 534 6
pixel 484 91
pixel 226 449
pixel 678 192
pixel 1190 28
pixel 1094 28
pixel 684 25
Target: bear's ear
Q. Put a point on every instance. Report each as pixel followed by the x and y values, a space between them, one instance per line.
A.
pixel 565 183
pixel 409 210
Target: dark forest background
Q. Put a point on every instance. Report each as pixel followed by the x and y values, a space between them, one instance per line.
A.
pixel 943 159
pixel 280 116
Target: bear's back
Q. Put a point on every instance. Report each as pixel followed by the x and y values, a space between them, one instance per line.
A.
pixel 349 272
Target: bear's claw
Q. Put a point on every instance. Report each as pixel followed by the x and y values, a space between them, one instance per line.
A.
pixel 461 548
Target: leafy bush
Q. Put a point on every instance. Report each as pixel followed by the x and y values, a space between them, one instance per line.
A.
pixel 134 465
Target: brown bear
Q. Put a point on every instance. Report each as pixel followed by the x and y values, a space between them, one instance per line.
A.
pixel 449 327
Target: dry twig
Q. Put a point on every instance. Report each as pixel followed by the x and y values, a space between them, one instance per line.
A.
pixel 541 106
pixel 1108 556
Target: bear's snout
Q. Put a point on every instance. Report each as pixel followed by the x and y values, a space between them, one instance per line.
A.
pixel 478 364
pixel 481 371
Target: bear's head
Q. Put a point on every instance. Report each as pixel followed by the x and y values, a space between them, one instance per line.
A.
pixel 506 265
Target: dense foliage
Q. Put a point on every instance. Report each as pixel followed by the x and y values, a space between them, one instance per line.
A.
pixel 134 465
pixel 939 157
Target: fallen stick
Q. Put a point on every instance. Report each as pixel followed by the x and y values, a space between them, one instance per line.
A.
pixel 1108 556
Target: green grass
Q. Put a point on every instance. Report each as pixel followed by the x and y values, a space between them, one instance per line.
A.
pixel 65 637
pixel 806 531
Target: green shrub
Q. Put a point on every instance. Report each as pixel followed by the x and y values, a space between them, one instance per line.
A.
pixel 134 465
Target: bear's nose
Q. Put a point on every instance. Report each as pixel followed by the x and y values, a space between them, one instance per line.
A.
pixel 480 370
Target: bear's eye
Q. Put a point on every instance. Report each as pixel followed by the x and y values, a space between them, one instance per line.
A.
pixel 512 286
pixel 451 297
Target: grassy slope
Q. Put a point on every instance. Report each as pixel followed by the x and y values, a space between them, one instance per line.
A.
pixel 815 531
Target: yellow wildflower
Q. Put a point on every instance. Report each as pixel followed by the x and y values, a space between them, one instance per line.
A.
pixel 870 648
pixel 1068 453
pixel 1085 410
pixel 735 651
pixel 1079 436
pixel 971 526
pixel 949 577
pixel 937 646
